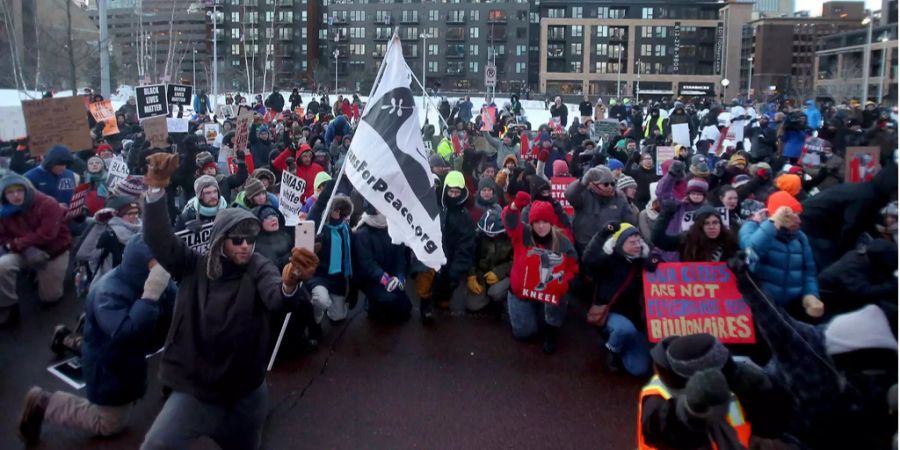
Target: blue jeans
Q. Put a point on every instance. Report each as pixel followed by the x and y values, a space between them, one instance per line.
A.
pixel 525 315
pixel 185 418
pixel 629 343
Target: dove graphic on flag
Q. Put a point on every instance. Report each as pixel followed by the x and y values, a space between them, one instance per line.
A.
pixel 387 162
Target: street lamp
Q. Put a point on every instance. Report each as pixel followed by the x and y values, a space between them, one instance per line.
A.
pixel 749 79
pixel 619 75
pixel 866 59
pixel 336 53
pixel 215 20
pixel 194 68
pixel 884 52
pixel 424 57
pixel 637 91
pixel 725 84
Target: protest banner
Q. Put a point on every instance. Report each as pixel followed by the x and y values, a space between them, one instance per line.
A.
pixel 681 134
pixel 488 118
pixel 116 171
pixel 233 167
pixel 102 111
pixel 211 132
pixel 690 298
pixel 811 158
pixel 177 125
pixel 76 205
pixel 52 121
pixel 179 94
pixel 242 132
pixel 558 187
pixel 199 241
pixel 12 123
pixel 862 163
pixel 688 218
pixel 156 131
pixel 299 111
pixel 663 154
pixel 290 197
pixel 225 111
pixel 151 101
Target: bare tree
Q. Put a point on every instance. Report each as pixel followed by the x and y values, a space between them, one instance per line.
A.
pixel 170 51
pixel 70 47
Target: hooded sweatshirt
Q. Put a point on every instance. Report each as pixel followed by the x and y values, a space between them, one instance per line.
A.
pixel 60 187
pixel 38 222
pixel 219 342
pixel 458 228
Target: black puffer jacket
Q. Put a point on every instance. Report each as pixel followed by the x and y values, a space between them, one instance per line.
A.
pixel 861 277
pixel 458 235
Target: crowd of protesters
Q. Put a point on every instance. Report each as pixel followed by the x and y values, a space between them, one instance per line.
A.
pixel 814 249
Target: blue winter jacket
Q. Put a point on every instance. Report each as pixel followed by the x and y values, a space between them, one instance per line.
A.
pixel 813 116
pixel 60 187
pixel 793 143
pixel 338 127
pixel 785 269
pixel 119 329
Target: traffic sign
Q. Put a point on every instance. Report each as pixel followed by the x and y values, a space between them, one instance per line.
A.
pixel 490 75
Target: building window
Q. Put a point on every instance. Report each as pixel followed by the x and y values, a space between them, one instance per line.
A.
pixel 577 31
pixel 602 12
pixel 235 49
pixel 473 33
pixel 358 33
pixel 521 50
pixel 432 32
pixel 577 12
pixel 534 17
pixel 434 15
pixel 618 13
pixel 556 33
pixel 601 50
pixel 556 13
pixel 357 49
pixel 473 50
pixel 473 66
pixel 235 16
pixel 520 67
pixel 575 49
pixel 646 13
pixel 646 50
pixel 602 31
pixel 661 32
pixel 660 50
pixel 235 33
pixel 521 33
pixel 357 16
pixel 286 16
pixel 303 16
pixel 270 16
pixel 235 63
pixel 433 49
pixel 646 32
pixel 575 66
pixel 433 66
pixel 474 15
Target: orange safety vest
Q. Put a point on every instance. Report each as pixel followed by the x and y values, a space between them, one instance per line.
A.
pixel 735 415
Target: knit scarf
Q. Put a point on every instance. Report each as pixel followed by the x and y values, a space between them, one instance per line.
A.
pixel 98 180
pixel 376 221
pixel 8 210
pixel 339 260
pixel 207 211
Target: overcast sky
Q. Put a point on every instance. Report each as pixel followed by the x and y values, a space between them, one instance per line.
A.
pixel 816 5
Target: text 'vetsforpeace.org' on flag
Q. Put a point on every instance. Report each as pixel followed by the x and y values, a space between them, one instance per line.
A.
pixel 387 163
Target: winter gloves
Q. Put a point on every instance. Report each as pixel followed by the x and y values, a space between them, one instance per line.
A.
pixel 784 217
pixel 160 167
pixel 491 278
pixel 156 283
pixel 813 306
pixel 35 258
pixel 474 286
pixel 391 283
pixel 501 178
pixel 706 397
pixel 522 200
pixel 301 267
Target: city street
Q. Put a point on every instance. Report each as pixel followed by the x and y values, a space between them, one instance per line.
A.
pixel 464 383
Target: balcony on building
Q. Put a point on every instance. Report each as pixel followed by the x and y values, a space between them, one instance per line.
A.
pixel 455 51
pixel 496 34
pixel 455 34
pixel 456 17
pixel 219 34
pixel 556 33
pixel 285 3
pixel 497 17
pixel 408 17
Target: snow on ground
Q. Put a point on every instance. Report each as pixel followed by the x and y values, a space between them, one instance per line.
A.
pixel 12 123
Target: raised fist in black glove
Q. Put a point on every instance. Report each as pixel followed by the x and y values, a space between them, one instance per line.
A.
pixel 669 207
pixel 676 170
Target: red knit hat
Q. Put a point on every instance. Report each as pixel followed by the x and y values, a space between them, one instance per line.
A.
pixel 782 198
pixel 104 148
pixel 541 211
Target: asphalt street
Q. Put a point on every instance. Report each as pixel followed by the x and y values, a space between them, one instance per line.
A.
pixel 462 383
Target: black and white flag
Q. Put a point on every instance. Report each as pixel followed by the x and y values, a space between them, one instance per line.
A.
pixel 388 163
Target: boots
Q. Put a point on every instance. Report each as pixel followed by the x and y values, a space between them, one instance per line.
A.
pixel 550 344
pixel 32 417
pixel 426 314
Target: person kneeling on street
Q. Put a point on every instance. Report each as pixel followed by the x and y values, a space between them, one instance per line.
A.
pixel 379 269
pixel 488 281
pixel 544 262
pixel 228 300
pixel 122 311
pixel 33 235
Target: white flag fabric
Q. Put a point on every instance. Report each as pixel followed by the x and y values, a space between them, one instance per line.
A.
pixel 388 165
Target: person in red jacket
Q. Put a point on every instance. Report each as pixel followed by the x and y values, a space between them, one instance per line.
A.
pixel 306 168
pixel 544 262
pixel 33 235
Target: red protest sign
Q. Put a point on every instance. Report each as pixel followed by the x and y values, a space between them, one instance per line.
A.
pixel 691 298
pixel 232 166
pixel 558 187
pixel 242 131
pixel 102 111
pixel 76 205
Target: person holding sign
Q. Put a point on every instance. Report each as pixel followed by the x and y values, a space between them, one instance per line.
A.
pixel 707 239
pixel 227 302
pixel 781 257
pixel 33 236
pixel 616 257
pixel 544 264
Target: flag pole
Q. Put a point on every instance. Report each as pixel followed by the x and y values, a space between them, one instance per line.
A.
pixel 428 97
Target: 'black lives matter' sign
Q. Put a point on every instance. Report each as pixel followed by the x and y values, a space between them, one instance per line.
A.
pixel 152 101
pixel 179 94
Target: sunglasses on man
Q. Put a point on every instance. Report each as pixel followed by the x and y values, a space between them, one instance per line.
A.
pixel 240 240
